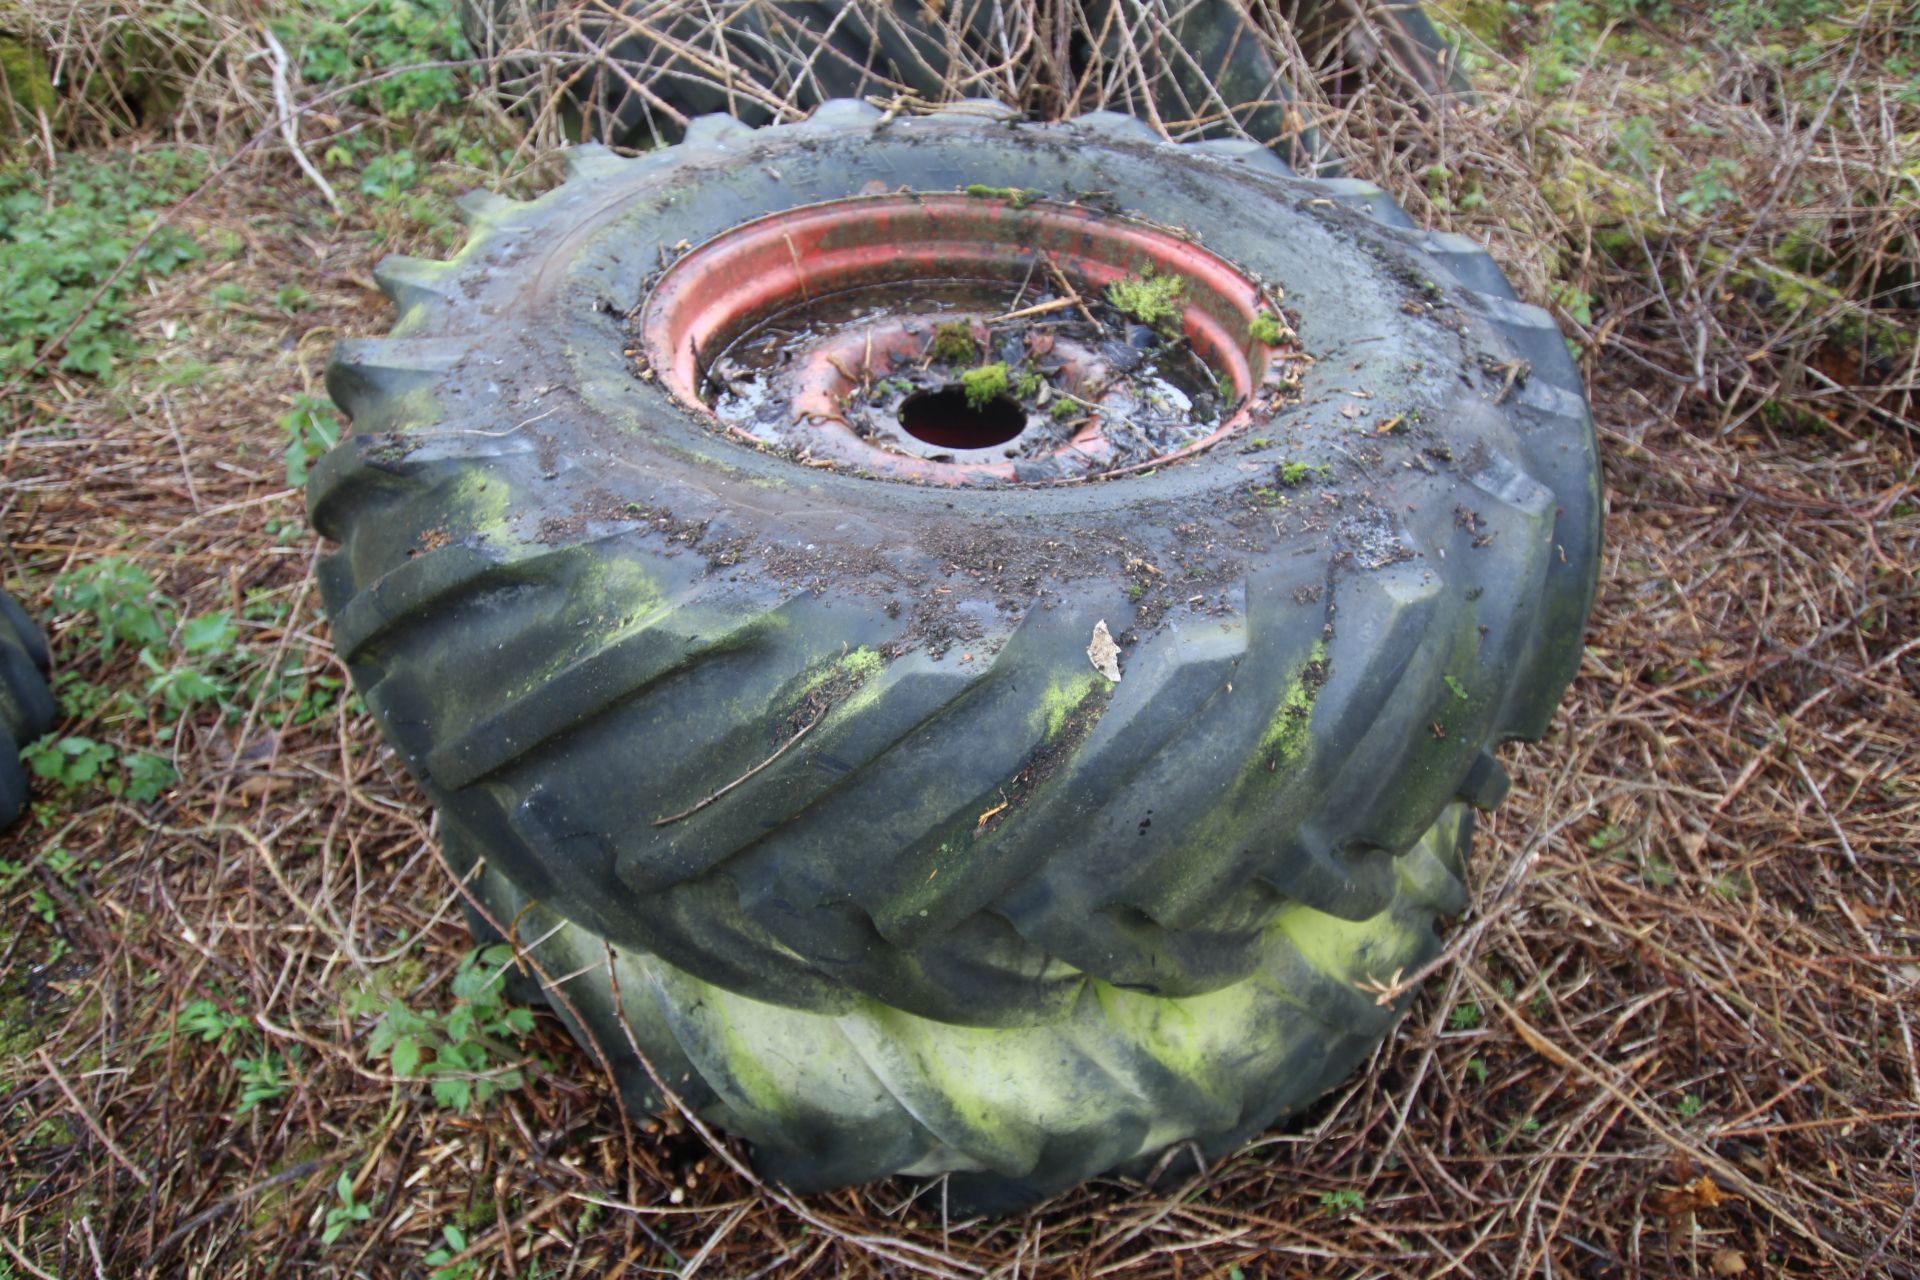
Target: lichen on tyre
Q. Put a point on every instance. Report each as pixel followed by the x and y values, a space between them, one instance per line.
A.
pixel 740 719
pixel 1015 1114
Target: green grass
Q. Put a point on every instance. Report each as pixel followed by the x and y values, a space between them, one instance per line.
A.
pixel 346 1213
pixel 75 764
pixel 453 1243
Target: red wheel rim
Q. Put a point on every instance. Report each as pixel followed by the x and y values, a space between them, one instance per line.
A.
pixel 761 269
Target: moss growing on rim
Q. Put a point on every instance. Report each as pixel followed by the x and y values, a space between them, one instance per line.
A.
pixel 1152 300
pixel 984 385
pixel 953 344
pixel 1266 328
pixel 1018 197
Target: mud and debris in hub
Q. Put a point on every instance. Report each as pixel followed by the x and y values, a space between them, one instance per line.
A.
pixel 1063 385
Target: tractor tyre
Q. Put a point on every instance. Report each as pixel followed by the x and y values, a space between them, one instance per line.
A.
pixel 799 757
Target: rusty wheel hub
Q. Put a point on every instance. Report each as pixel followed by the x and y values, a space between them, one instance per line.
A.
pixel 849 298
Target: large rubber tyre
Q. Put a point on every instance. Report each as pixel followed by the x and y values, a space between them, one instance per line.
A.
pixel 803 51
pixel 576 609
pixel 1350 40
pixel 26 704
pixel 1015 1114
pixel 1212 61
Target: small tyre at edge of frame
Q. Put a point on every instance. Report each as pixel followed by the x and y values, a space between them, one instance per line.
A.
pixel 26 703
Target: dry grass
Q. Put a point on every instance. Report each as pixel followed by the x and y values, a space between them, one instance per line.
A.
pixel 1675 1035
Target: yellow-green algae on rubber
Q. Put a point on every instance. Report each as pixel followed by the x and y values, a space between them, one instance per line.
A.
pixel 1015 1113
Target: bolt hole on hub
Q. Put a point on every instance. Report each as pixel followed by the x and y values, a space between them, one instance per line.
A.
pixel 948 418
pixel 955 340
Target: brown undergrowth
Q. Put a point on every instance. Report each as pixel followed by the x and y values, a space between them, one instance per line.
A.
pixel 1673 1036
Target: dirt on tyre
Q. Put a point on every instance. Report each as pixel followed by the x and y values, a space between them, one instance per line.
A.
pixel 26 703
pixel 799 727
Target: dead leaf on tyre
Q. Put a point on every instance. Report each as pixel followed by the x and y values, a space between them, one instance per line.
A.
pixel 1104 653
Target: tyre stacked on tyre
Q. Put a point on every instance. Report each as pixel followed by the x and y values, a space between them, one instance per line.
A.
pixel 801 783
pixel 26 704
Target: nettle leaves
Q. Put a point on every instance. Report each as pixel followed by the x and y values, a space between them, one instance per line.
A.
pixel 76 249
pixel 463 1054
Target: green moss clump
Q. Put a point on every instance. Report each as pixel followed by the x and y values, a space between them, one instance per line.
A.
pixel 1150 299
pixel 1027 385
pixel 1295 474
pixel 953 344
pixel 1018 197
pixel 1266 328
pixel 1064 408
pixel 984 385
pixel 26 87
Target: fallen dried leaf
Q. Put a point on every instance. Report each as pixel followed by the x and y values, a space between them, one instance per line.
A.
pixel 1104 653
pixel 1702 1193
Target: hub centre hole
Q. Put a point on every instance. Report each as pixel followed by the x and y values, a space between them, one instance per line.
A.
pixel 945 420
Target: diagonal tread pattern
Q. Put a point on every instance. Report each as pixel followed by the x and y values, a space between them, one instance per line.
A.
pixel 843 1096
pixel 936 880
